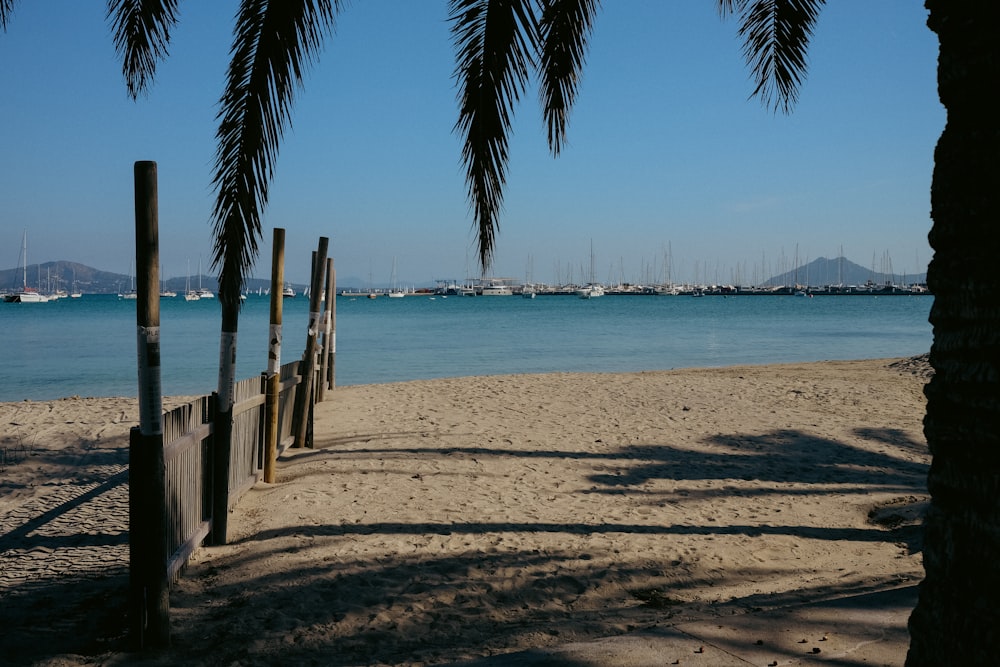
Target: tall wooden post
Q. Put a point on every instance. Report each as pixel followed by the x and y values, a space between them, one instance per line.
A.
pixel 331 324
pixel 273 377
pixel 329 302
pixel 149 606
pixel 308 368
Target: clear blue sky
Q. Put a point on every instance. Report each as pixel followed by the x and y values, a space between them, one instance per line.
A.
pixel 665 148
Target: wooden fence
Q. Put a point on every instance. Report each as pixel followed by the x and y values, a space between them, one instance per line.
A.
pixel 187 458
pixel 187 453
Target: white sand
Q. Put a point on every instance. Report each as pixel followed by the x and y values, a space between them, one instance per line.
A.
pixel 448 519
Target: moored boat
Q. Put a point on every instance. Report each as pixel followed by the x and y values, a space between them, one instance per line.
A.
pixel 203 292
pixel 496 288
pixel 130 294
pixel 190 294
pixel 27 294
pixel 395 292
pixel 590 291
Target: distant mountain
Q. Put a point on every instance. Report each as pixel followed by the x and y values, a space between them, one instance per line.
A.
pixel 825 271
pixel 52 276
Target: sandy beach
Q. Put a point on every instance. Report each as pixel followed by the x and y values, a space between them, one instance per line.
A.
pixel 446 520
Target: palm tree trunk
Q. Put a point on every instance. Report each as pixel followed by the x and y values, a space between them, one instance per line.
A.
pixel 223 420
pixel 957 618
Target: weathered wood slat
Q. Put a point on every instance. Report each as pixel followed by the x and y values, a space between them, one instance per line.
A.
pixel 187 454
pixel 181 444
pixel 180 557
pixel 248 404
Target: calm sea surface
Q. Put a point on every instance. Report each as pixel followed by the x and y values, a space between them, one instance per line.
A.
pixel 87 346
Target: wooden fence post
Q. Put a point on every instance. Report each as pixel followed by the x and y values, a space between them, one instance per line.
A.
pixel 273 379
pixel 329 299
pixel 149 593
pixel 308 368
pixel 331 326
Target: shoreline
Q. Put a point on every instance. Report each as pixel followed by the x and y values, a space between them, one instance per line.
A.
pixel 918 365
pixel 450 519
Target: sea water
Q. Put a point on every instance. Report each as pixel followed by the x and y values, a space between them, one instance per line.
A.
pixel 87 346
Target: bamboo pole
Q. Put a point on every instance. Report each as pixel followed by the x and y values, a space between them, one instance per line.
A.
pixel 149 592
pixel 273 378
pixel 308 369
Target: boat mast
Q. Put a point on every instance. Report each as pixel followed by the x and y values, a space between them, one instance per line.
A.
pixel 24 256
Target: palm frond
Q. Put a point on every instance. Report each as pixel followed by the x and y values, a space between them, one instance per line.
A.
pixel 776 36
pixel 494 42
pixel 142 34
pixel 727 7
pixel 6 11
pixel 565 27
pixel 273 41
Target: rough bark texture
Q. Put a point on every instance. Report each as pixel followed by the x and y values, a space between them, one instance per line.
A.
pixel 957 618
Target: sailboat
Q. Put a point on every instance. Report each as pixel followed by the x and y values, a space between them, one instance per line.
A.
pixel 166 293
pixel 528 290
pixel 394 291
pixel 58 292
pixel 76 293
pixel 189 294
pixel 203 292
pixel 371 287
pixel 591 290
pixel 130 294
pixel 27 294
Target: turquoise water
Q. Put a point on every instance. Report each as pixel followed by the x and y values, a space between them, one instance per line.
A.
pixel 87 346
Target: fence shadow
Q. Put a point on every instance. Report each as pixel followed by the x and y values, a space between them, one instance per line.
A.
pixel 291 586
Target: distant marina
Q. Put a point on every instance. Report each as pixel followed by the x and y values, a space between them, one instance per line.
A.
pixel 838 277
pixel 510 287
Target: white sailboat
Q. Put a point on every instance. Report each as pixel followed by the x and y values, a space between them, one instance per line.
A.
pixel 394 291
pixel 27 294
pixel 591 290
pixel 76 293
pixel 58 292
pixel 528 290
pixel 203 292
pixel 130 294
pixel 164 292
pixel 189 294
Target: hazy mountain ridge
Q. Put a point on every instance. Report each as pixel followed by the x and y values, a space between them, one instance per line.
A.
pixel 842 271
pixel 51 276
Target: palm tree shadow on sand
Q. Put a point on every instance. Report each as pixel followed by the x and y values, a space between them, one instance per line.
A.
pixel 477 600
pixel 292 590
